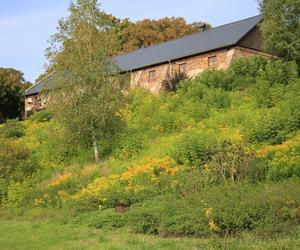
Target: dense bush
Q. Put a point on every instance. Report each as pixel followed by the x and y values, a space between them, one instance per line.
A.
pixel 15 161
pixel 41 116
pixel 264 208
pixel 219 156
pixel 104 219
pixel 130 144
pixel 194 149
pixel 225 209
pixel 12 129
pixel 217 79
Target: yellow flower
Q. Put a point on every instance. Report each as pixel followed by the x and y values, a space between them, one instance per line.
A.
pixel 208 212
pixel 213 226
pixel 206 167
pixel 63 195
pixel 57 180
pixel 38 201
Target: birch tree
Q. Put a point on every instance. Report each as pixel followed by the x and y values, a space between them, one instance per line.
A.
pixel 88 93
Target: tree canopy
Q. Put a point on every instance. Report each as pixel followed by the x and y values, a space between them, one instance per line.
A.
pixel 12 87
pixel 150 32
pixel 281 27
pixel 134 35
pixel 89 95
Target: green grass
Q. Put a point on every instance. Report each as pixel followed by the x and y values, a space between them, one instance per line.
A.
pixel 29 235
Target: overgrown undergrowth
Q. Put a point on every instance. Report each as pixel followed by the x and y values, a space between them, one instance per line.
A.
pixel 219 157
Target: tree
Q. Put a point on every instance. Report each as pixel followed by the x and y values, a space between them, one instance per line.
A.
pixel 281 27
pixel 149 32
pixel 89 93
pixel 12 87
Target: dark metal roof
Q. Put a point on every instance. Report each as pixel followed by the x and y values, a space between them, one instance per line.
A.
pixel 44 84
pixel 212 39
pixel 215 38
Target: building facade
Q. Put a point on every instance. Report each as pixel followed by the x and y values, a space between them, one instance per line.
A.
pixel 215 48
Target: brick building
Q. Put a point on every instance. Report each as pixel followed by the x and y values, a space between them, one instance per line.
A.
pixel 213 48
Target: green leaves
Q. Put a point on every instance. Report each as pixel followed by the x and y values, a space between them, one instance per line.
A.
pixel 281 27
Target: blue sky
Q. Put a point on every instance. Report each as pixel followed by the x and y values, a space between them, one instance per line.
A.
pixel 25 26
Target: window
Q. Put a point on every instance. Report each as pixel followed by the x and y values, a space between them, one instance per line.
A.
pixel 152 75
pixel 182 68
pixel 212 61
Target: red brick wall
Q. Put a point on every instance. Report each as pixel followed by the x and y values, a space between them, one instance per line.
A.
pixel 194 65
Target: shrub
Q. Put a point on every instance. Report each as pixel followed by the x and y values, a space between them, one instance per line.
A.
pixel 15 162
pixel 13 129
pixel 145 218
pixel 282 161
pixel 105 219
pixel 41 116
pixel 272 127
pixel 194 149
pixel 17 193
pixel 171 84
pixel 268 209
pixel 217 79
pixel 230 162
pixel 272 70
pixel 248 67
pixel 279 72
pixel 130 144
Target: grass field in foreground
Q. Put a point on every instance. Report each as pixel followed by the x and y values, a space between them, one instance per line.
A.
pixel 28 235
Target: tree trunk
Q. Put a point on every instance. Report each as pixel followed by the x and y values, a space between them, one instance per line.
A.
pixel 96 151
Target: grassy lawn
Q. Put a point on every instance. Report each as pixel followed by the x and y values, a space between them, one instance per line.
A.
pixel 30 235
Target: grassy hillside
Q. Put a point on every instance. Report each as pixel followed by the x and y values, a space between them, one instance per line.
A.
pixel 220 157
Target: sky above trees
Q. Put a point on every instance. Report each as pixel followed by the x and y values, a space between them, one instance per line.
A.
pixel 25 26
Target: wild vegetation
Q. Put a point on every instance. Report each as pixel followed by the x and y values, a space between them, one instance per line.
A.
pixel 215 158
pixel 220 157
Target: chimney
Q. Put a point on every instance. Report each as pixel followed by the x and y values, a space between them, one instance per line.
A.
pixel 201 26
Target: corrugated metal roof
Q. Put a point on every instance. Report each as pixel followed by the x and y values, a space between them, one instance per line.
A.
pixel 215 38
pixel 212 39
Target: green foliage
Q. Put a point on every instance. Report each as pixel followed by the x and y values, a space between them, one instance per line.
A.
pixel 91 112
pixel 231 162
pixel 281 27
pixel 130 144
pixel 194 149
pixel 273 126
pixel 41 116
pixel 12 85
pixel 145 218
pixel 267 209
pixel 104 219
pixel 17 193
pixel 217 79
pixel 15 161
pixel 234 139
pixel 246 68
pixel 13 129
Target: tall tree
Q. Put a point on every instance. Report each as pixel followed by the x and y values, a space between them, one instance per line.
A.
pixel 281 27
pixel 12 86
pixel 89 94
pixel 149 32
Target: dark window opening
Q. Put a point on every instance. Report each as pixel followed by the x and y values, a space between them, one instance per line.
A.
pixel 152 75
pixel 212 61
pixel 182 68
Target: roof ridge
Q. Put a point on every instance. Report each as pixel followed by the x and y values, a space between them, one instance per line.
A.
pixel 190 35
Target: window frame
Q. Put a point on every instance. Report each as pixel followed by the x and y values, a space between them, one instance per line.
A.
pixel 184 64
pixel 215 61
pixel 152 75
